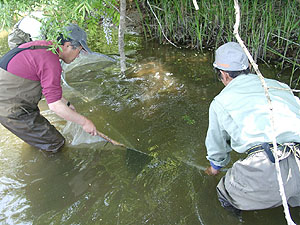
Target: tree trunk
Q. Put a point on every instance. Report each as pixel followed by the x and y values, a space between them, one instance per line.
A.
pixel 122 27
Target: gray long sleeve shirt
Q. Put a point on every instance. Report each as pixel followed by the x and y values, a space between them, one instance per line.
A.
pixel 239 117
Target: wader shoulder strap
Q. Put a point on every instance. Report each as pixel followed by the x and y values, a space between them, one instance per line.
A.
pixel 4 60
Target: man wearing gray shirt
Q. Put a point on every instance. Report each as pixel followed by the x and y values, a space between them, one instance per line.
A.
pixel 239 120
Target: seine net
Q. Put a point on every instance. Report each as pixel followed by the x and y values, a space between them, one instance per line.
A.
pixel 76 135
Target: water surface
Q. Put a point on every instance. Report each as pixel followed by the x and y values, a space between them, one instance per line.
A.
pixel 160 108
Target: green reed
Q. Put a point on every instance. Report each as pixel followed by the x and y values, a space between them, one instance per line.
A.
pixel 269 28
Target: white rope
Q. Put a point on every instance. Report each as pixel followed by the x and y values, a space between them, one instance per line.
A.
pixel 296 153
pixel 284 89
pixel 298 162
pixel 279 177
pixel 195 4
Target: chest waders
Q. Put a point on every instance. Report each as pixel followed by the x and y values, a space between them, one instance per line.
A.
pixel 19 112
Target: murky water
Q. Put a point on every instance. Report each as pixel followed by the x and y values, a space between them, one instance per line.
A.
pixel 159 108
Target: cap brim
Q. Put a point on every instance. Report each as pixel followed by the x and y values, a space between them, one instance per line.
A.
pixel 85 47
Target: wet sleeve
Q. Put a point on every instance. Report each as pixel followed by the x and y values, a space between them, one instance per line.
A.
pixel 217 138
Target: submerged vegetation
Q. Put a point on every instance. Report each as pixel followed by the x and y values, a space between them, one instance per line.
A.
pixel 270 28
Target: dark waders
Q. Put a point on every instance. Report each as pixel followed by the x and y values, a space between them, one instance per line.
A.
pixel 19 112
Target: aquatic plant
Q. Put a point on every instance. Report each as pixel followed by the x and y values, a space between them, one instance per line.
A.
pixel 269 28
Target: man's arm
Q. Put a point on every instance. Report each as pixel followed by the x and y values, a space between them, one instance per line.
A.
pixel 216 141
pixel 61 109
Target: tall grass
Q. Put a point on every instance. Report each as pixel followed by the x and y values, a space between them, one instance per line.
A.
pixel 269 28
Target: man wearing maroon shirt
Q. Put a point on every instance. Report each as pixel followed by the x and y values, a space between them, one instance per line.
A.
pixel 29 71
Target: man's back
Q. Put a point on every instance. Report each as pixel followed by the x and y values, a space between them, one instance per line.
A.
pixel 246 112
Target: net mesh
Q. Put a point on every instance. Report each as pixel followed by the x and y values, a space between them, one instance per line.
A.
pixel 76 135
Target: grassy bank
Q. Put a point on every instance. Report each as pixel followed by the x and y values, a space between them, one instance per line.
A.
pixel 269 28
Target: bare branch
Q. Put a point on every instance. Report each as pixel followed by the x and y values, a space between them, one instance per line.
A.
pixel 162 30
pixel 122 27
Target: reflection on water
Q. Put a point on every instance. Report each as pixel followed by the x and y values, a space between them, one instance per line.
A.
pixel 159 108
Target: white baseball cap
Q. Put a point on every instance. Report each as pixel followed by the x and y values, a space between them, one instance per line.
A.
pixel 231 57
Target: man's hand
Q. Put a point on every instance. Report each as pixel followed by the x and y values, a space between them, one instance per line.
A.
pixel 211 171
pixel 89 127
